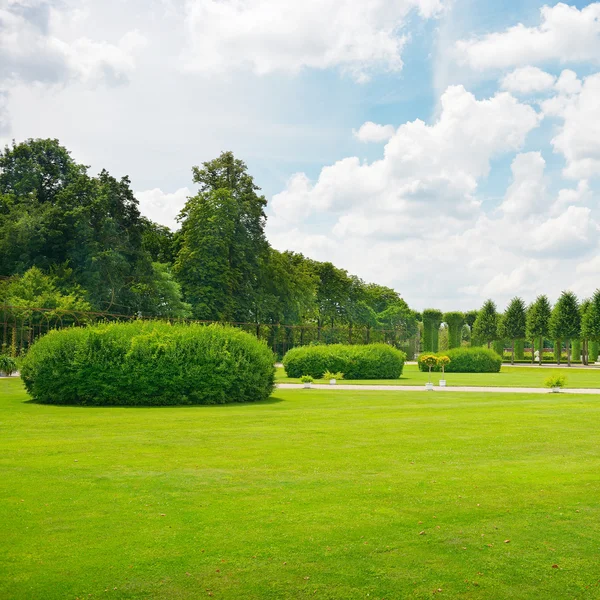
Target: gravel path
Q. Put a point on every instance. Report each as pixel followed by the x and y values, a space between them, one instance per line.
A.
pixel 421 388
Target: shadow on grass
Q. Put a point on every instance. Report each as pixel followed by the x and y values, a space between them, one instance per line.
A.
pixel 270 400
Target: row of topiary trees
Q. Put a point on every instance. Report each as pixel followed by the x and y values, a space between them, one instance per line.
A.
pixel 574 323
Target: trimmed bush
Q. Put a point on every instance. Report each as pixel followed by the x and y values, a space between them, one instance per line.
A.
pixel 8 365
pixel 468 360
pixel 373 361
pixel 148 363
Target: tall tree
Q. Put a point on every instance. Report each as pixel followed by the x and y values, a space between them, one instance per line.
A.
pixel 432 319
pixel 538 324
pixel 565 322
pixel 514 324
pixel 454 321
pixel 222 243
pixel 591 326
pixel 486 324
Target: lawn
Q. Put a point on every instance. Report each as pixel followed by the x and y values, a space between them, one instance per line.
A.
pixel 312 494
pixel 508 377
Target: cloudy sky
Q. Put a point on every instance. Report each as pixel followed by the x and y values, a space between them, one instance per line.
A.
pixel 447 148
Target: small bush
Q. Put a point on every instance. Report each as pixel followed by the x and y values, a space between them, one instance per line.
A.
pixel 329 375
pixel 306 379
pixel 373 361
pixel 556 381
pixel 467 360
pixel 148 363
pixel 8 365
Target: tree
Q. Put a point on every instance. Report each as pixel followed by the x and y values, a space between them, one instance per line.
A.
pixel 222 243
pixel 455 321
pixel 565 322
pixel 485 327
pixel 432 319
pixel 590 326
pixel 538 324
pixel 514 324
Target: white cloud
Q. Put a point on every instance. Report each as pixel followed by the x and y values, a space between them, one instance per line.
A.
pixel 565 34
pixel 571 233
pixel 527 193
pixel 32 50
pixel 428 172
pixel 372 132
pixel 162 207
pixel 528 80
pixel 412 219
pixel 579 138
pixel 269 36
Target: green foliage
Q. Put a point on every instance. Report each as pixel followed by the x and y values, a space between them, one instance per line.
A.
pixel 594 350
pixel 485 327
pixel 464 360
pixel 148 363
pixel 591 319
pixel 443 361
pixel 556 381
pixel 87 230
pixel 222 241
pixel 306 379
pixel 8 365
pixel 330 375
pixel 513 324
pixel 432 318
pixel 374 361
pixel 427 361
pixel 565 322
pixel 455 321
pixel 443 339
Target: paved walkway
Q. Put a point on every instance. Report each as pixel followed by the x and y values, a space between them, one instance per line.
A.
pixel 421 388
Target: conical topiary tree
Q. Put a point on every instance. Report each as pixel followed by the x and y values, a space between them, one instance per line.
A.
pixel 538 324
pixel 565 322
pixel 485 327
pixel 513 324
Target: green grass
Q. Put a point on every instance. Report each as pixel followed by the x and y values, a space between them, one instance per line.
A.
pixel 508 377
pixel 313 494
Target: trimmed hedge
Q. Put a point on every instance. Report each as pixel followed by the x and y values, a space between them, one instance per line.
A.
pixel 468 360
pixel 372 361
pixel 148 363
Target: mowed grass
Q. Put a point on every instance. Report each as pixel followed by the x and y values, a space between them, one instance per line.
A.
pixel 313 494
pixel 508 377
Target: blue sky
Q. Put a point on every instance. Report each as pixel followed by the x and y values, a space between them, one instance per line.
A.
pixel 475 176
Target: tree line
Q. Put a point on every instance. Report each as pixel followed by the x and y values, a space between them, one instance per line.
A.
pixel 570 324
pixel 73 241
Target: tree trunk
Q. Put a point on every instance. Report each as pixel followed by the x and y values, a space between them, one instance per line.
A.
pixel 532 351
pixel 541 350
pixel 489 344
pixel 568 343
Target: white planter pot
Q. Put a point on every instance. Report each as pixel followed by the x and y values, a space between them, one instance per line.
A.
pixel 429 387
pixel 442 383
pixel 332 382
pixel 307 386
pixel 555 390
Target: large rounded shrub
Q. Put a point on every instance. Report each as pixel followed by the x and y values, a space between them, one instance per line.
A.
pixel 373 361
pixel 468 360
pixel 148 363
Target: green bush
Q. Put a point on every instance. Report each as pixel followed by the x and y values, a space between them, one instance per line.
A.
pixel 468 360
pixel 148 363
pixel 372 361
pixel 8 365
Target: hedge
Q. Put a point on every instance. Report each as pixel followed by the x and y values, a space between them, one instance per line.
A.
pixel 148 363
pixel 468 360
pixel 372 361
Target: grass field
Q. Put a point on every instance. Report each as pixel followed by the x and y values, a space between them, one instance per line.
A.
pixel 508 377
pixel 308 495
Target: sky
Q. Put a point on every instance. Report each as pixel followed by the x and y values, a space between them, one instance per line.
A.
pixel 449 149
